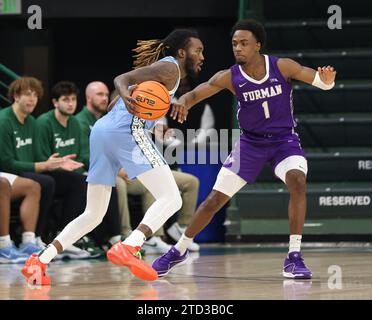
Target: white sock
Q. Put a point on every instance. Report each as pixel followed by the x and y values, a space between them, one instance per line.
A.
pixel 115 239
pixel 136 238
pixel 48 254
pixel 295 242
pixel 183 244
pixel 5 241
pixel 28 237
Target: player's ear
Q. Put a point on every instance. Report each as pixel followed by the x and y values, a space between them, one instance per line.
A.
pixel 258 46
pixel 181 53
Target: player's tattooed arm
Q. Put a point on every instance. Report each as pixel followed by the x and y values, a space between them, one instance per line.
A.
pixel 163 72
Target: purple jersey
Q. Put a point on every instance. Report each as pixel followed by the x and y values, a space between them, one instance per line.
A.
pixel 265 106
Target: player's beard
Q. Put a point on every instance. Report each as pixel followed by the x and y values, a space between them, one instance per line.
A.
pixel 190 68
pixel 240 62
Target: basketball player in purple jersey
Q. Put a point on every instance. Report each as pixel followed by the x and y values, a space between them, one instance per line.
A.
pixel 262 86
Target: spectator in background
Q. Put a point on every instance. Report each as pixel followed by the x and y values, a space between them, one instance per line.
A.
pixel 97 98
pixel 18 145
pixel 14 188
pixel 59 132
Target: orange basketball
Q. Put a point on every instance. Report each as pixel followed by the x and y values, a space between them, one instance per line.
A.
pixel 152 100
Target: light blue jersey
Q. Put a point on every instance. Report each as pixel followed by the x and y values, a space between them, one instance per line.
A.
pixel 121 140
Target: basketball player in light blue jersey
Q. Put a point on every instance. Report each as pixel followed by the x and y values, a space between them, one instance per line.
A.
pixel 119 140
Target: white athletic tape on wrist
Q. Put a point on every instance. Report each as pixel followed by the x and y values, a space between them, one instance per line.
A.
pixel 320 84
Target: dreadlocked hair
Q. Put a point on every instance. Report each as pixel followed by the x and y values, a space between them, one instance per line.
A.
pixel 147 52
pixel 150 51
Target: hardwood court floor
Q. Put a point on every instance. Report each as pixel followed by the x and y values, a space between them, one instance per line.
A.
pixel 220 272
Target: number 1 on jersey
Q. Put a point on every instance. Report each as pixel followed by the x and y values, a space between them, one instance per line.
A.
pixel 265 106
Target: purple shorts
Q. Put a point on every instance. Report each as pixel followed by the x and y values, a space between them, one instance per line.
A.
pixel 250 154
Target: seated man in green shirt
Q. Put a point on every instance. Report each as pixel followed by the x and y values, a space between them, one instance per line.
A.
pixel 59 132
pixel 97 99
pixel 18 151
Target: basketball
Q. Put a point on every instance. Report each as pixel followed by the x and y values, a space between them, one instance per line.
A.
pixel 152 100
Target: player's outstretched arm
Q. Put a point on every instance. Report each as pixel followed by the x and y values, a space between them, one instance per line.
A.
pixel 221 80
pixel 323 78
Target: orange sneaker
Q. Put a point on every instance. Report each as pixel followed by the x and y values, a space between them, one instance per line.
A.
pixel 123 255
pixel 34 271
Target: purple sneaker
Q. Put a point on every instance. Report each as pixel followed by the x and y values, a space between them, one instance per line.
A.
pixel 295 268
pixel 167 261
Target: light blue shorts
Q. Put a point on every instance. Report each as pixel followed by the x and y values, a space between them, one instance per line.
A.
pixel 113 148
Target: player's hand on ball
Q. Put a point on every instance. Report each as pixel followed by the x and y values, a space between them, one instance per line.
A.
pixel 129 102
